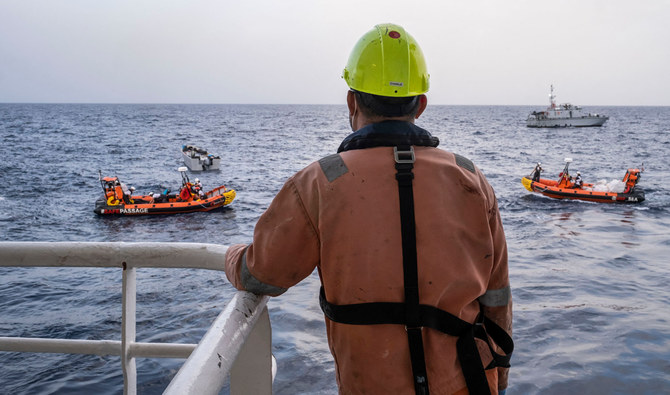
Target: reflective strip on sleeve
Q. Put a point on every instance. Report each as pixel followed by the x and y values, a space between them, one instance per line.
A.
pixel 496 297
pixel 333 167
pixel 253 285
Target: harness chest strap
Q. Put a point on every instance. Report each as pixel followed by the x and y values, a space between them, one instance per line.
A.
pixel 415 316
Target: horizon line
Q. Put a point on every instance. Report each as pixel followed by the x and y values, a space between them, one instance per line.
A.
pixel 316 104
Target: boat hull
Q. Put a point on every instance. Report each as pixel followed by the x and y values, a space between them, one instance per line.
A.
pixel 545 188
pixel 146 205
pixel 201 163
pixel 198 159
pixel 587 121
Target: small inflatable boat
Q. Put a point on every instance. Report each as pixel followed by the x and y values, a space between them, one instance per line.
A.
pixel 120 200
pixel 568 187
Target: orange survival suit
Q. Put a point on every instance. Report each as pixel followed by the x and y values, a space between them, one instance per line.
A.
pixel 341 215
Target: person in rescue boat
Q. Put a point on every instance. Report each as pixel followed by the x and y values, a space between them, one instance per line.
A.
pixel 578 183
pixel 537 171
pixel 127 193
pixel 196 189
pixel 407 240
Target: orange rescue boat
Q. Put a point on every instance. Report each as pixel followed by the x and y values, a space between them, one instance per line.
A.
pixel 568 187
pixel 117 199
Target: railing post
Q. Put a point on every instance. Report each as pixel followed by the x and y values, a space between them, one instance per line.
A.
pixel 252 371
pixel 129 298
pixel 209 366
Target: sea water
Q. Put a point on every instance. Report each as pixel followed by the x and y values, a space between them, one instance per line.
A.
pixel 590 280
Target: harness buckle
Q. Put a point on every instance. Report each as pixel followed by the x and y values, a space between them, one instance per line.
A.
pixel 479 321
pixel 403 156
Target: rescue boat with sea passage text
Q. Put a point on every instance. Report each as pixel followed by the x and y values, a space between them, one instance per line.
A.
pixel 115 203
pixel 624 191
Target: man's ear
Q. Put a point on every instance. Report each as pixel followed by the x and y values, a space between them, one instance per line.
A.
pixel 423 102
pixel 351 102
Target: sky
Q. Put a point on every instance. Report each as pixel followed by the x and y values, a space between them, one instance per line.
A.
pixel 479 52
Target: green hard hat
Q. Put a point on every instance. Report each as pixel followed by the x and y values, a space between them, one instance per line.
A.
pixel 387 61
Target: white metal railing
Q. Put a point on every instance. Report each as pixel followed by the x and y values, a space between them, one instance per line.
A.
pixel 238 344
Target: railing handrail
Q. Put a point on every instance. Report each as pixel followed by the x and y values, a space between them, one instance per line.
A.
pixel 237 344
pixel 112 254
pixel 95 347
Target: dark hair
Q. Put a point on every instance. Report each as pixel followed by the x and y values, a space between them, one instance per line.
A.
pixel 385 106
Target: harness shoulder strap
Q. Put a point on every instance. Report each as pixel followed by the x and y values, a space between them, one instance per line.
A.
pixel 404 163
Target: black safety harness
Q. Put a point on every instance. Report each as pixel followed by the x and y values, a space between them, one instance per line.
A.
pixel 415 316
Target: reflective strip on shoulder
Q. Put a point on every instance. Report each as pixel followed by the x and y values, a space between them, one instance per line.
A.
pixel 496 297
pixel 465 163
pixel 333 166
pixel 253 285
